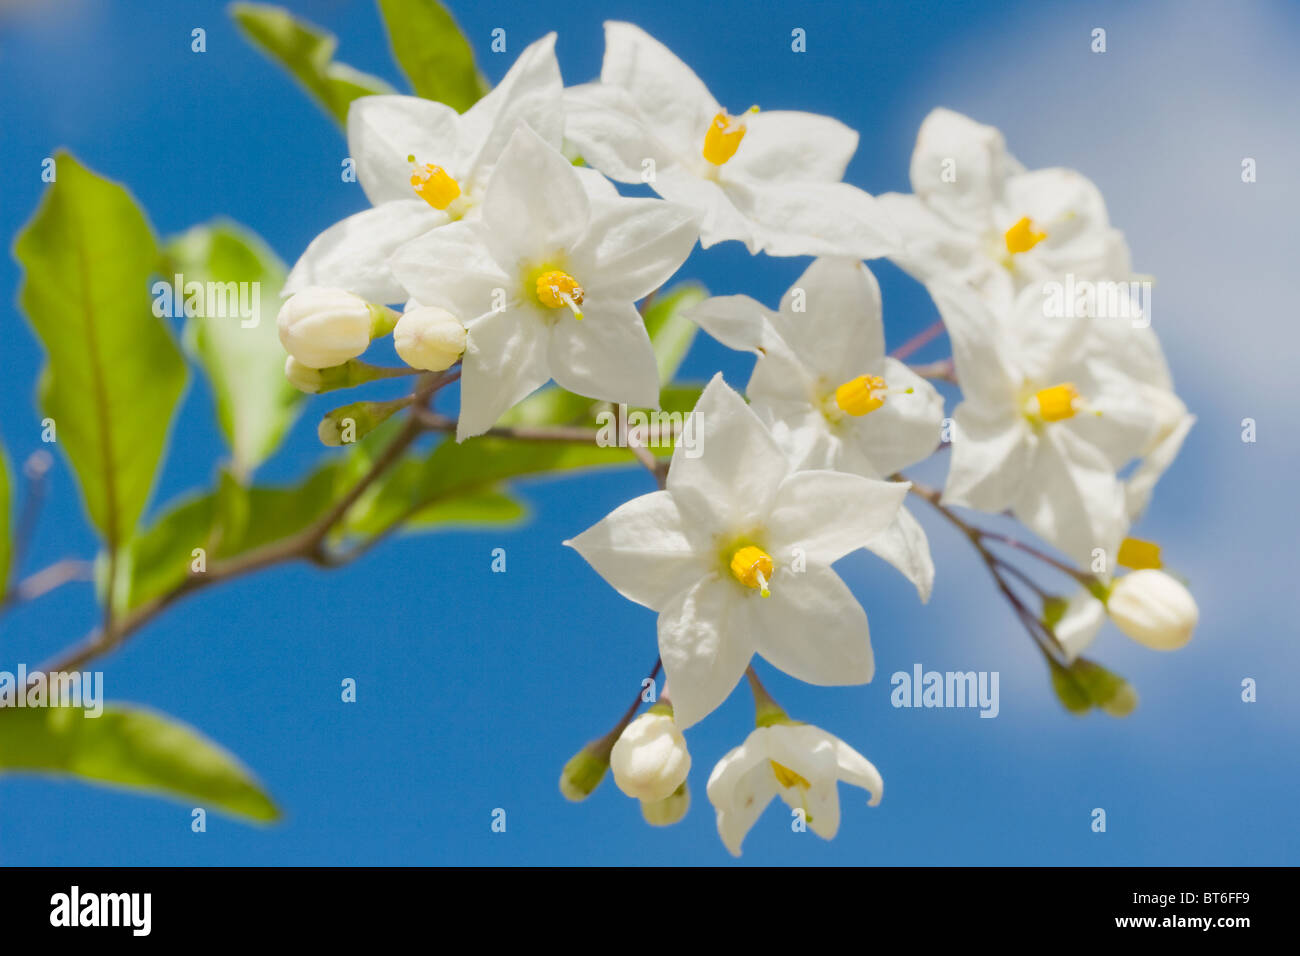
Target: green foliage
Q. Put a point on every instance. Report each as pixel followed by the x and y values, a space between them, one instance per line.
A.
pixel 135 748
pixel 1086 684
pixel 114 374
pixel 433 52
pixel 241 355
pixel 671 333
pixel 307 52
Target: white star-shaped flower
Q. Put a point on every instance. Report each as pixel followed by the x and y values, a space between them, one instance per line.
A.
pixel 423 165
pixel 545 280
pixel 828 392
pixel 798 762
pixel 736 557
pixel 1046 421
pixel 977 218
pixel 771 180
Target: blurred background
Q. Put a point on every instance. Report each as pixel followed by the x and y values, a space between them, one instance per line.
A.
pixel 474 687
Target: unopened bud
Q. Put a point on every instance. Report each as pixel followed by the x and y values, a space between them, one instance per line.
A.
pixel 323 327
pixel 429 338
pixel 1154 609
pixel 582 774
pixel 351 423
pixel 650 759
pixel 671 809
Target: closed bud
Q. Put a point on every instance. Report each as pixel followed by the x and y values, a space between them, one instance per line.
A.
pixel 1154 609
pixel 429 338
pixel 351 423
pixel 583 773
pixel 671 809
pixel 650 759
pixel 313 381
pixel 322 327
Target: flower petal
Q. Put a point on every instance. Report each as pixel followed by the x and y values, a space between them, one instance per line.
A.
pixel 354 253
pixel 991 455
pixel 632 246
pixel 838 334
pixel 384 130
pixel 1084 616
pixel 451 267
pixel 959 167
pixel 787 146
pixel 740 787
pixel 645 550
pixel 904 545
pixel 504 361
pixel 611 134
pixel 705 648
pixel 530 94
pixel 535 203
pixel 828 514
pixel 815 219
pixel 606 355
pixel 728 480
pixel 737 321
pixel 812 627
pixel 678 106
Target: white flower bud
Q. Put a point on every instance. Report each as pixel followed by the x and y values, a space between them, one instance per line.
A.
pixel 670 810
pixel 1153 609
pixel 650 759
pixel 302 378
pixel 429 338
pixel 323 327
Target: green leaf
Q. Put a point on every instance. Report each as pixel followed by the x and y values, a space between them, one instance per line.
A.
pixel 233 336
pixel 114 373
pixel 307 52
pixel 6 539
pixel 1086 684
pixel 131 747
pixel 671 333
pixel 433 52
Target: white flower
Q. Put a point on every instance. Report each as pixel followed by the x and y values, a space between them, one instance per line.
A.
pixel 423 165
pixel 1153 608
pixel 545 281
pixel 800 763
pixel 736 556
pixel 323 327
pixel 650 760
pixel 768 179
pixel 828 392
pixel 429 338
pixel 978 218
pixel 1045 423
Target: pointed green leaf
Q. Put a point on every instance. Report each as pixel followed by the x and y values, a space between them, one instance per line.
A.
pixel 233 335
pixel 114 373
pixel 433 52
pixel 131 747
pixel 671 333
pixel 307 52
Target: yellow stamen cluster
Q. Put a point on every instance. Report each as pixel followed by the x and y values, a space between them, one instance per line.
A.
pixel 557 290
pixel 723 137
pixel 787 777
pixel 1139 555
pixel 1058 402
pixel 1022 236
pixel 433 184
pixel 752 567
pixel 858 396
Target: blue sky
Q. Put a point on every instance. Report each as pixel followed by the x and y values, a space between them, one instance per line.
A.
pixel 475 687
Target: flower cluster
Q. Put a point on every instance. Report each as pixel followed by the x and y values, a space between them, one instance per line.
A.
pixel 490 250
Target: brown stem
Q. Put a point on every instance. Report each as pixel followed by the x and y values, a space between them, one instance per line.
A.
pixel 919 340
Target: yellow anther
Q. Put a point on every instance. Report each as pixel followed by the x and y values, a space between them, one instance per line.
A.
pixel 557 290
pixel 788 778
pixel 752 567
pixel 723 137
pixel 1138 554
pixel 1058 402
pixel 861 395
pixel 1022 236
pixel 433 184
